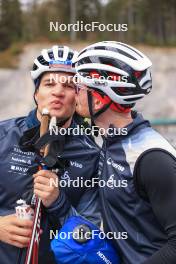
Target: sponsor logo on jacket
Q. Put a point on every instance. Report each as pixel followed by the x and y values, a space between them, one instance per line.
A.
pixel 103 257
pixel 115 165
pixel 76 164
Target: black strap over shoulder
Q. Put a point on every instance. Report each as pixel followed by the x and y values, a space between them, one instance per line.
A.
pixel 29 138
pixel 31 141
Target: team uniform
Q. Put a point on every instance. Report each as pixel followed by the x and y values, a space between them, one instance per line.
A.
pixel 141 163
pixel 141 170
pixel 16 180
pixel 17 166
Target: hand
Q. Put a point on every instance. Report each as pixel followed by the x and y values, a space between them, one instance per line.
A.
pixel 15 231
pixel 45 187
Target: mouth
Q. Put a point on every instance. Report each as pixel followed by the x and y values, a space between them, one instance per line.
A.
pixel 56 104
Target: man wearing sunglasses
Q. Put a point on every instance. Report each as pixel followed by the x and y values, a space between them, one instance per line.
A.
pixel 139 166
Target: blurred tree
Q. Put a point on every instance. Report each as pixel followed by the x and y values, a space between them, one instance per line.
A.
pixel 73 19
pixel 10 22
pixel 116 14
pixel 4 34
pixel 151 21
pixel 88 11
pixel 85 11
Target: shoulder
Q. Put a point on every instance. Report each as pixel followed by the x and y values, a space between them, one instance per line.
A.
pixel 156 158
pixel 147 139
pixel 155 168
pixel 10 125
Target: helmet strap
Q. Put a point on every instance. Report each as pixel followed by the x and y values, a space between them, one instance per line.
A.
pixel 90 105
pixel 103 109
pixel 95 115
pixel 109 103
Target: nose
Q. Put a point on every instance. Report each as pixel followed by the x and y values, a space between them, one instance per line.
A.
pixel 58 90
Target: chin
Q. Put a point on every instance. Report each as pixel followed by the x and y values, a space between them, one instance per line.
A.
pixel 59 114
pixel 56 113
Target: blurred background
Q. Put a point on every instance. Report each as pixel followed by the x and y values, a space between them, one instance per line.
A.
pixel 25 30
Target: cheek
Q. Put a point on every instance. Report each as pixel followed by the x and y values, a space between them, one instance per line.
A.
pixel 84 101
pixel 82 98
pixel 70 102
pixel 82 105
pixel 71 97
pixel 42 97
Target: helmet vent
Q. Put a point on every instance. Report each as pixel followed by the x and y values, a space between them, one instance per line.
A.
pixel 60 53
pixel 35 67
pixel 42 60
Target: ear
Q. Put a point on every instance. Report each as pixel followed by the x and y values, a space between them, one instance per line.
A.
pixel 36 96
pixel 97 104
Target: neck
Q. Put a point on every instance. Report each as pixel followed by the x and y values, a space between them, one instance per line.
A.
pixel 109 117
pixel 67 123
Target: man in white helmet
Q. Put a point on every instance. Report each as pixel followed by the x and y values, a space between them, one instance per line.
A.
pixel 139 166
pixel 18 168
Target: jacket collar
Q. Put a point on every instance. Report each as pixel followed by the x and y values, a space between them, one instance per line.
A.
pixel 133 127
pixel 32 120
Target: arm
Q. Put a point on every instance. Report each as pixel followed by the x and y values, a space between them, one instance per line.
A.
pixel 156 177
pixel 57 204
pixel 88 207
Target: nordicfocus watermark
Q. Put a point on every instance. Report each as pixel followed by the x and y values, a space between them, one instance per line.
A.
pixel 78 80
pixel 88 27
pixel 81 182
pixel 81 234
pixel 89 131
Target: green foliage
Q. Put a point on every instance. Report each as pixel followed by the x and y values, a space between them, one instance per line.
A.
pixel 10 22
pixel 9 57
pixel 151 22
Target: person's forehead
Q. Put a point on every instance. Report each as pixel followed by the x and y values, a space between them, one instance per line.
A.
pixel 48 75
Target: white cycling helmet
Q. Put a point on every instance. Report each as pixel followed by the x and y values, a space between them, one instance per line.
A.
pixel 58 58
pixel 115 69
